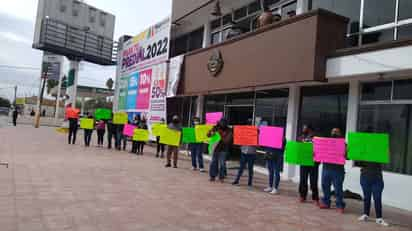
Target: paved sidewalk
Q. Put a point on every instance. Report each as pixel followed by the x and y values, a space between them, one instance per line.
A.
pixel 52 186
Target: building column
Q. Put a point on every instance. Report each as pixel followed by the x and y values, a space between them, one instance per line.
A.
pixel 302 6
pixel 290 171
pixel 82 106
pixel 353 110
pixel 200 102
pixel 206 35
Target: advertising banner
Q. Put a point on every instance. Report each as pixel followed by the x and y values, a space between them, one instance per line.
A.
pixel 329 150
pixel 132 89
pixel 143 93
pixel 157 110
pixel 175 70
pixel 147 48
pixel 372 147
pixel 123 82
pixel 271 137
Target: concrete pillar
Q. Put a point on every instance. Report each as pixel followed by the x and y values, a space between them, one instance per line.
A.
pixel 82 106
pixel 353 110
pixel 302 6
pixel 206 35
pixel 290 171
pixel 73 79
pixel 199 106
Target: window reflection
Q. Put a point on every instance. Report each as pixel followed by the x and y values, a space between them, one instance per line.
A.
pixel 405 9
pixel 378 12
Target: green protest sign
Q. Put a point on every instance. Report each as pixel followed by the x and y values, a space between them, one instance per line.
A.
pixel 189 136
pixel 213 141
pixel 299 153
pixel 371 147
pixel 103 114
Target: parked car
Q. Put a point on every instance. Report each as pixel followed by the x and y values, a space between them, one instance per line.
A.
pixel 4 111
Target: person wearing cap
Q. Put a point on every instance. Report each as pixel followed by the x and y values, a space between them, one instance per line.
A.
pixel 196 151
pixel 173 150
pixel 333 174
pixel 218 164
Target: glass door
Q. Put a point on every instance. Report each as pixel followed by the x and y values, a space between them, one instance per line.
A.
pixel 239 114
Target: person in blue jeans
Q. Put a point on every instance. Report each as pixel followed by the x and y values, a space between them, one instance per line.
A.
pixel 274 161
pixel 371 180
pixel 247 156
pixel 196 151
pixel 333 174
pixel 222 149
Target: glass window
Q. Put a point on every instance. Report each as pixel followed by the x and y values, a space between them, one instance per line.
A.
pixel 324 108
pixel 405 9
pixel 196 39
pixel 289 10
pixel 244 98
pixel 227 19
pixel 347 8
pixel 215 24
pixel 272 106
pixel 254 7
pixel 378 36
pixel 394 119
pixel 215 103
pixel 270 2
pixel 240 13
pixel 378 12
pixel 405 32
pixel 215 38
pixel 376 91
pixel 402 89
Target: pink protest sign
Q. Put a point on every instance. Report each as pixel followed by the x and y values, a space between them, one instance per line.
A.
pixel 329 150
pixel 143 94
pixel 214 117
pixel 271 137
pixel 128 130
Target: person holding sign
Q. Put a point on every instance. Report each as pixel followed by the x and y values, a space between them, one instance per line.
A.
pixel 101 129
pixel 247 156
pixel 73 117
pixel 333 174
pixel 308 172
pixel 111 132
pixel 173 150
pixel 196 151
pixel 371 180
pixel 136 122
pixel 140 144
pixel 160 148
pixel 222 149
pixel 88 132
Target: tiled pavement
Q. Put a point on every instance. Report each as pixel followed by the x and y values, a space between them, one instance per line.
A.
pixel 51 186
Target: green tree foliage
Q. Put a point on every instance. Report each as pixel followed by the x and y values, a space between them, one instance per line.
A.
pixel 4 102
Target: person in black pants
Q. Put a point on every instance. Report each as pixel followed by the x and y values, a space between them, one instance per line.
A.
pixel 140 144
pixel 15 115
pixel 135 122
pixel 88 134
pixel 72 130
pixel 160 147
pixel 111 133
pixel 308 172
pixel 101 130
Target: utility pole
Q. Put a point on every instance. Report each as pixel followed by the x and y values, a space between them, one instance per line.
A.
pixel 15 96
pixel 40 97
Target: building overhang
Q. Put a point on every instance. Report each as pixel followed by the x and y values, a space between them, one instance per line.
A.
pixel 290 51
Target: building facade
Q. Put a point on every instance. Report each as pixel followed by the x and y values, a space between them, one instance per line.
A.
pixel 328 63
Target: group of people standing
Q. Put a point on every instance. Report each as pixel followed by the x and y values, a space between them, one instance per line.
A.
pixel 371 179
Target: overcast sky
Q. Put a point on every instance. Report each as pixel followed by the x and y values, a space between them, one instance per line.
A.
pixel 16 35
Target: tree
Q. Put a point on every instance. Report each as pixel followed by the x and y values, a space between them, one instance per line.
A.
pixel 101 102
pixel 51 83
pixel 109 83
pixel 4 102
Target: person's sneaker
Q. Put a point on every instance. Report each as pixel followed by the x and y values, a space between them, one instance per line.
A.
pixel 302 200
pixel 168 165
pixel 382 222
pixel 174 166
pixel 323 206
pixel 364 217
pixel 212 179
pixel 274 191
pixel 157 155
pixel 235 183
pixel 340 210
pixel 201 170
pixel 268 189
pixel 194 169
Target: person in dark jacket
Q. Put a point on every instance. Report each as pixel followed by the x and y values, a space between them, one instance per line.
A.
pixel 111 132
pixel 372 184
pixel 88 133
pixel 196 151
pixel 15 115
pixel 218 164
pixel 308 172
pixel 120 138
pixel 173 150
pixel 73 125
pixel 101 130
pixel 333 174
pixel 140 144
pixel 135 122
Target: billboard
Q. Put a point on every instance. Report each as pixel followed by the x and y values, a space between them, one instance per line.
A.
pixel 148 48
pixel 132 88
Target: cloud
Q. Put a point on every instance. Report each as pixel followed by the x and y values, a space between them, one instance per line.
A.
pixel 15 37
